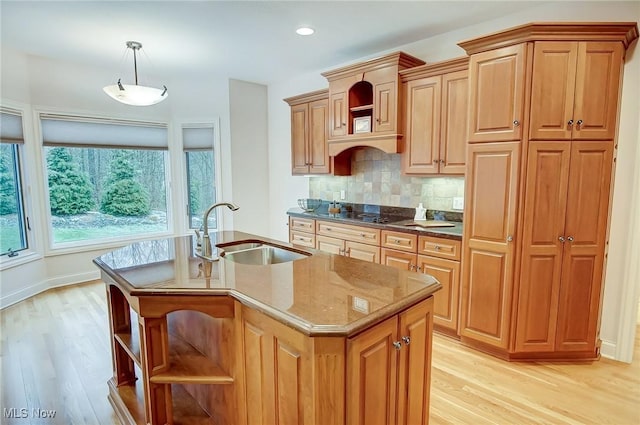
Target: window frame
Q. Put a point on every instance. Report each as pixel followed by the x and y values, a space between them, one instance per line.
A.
pixel 24 154
pixel 217 164
pixel 53 248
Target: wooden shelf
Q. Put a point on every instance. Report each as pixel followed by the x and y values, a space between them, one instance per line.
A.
pixel 186 410
pixel 361 108
pixel 131 344
pixel 188 366
pixel 127 401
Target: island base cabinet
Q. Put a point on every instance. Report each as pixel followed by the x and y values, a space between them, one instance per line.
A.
pixel 388 370
pixel 380 376
pixel 290 378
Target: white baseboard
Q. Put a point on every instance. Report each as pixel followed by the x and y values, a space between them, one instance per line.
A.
pixel 30 291
pixel 608 350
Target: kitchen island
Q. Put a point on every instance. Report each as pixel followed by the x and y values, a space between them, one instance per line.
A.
pixel 322 339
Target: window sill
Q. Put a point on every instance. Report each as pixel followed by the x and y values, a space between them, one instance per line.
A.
pixel 101 245
pixel 22 258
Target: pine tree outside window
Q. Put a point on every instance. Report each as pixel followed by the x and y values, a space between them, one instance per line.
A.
pixel 13 220
pixel 199 148
pixel 106 179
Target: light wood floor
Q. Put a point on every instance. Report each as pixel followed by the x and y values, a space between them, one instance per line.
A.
pixel 55 355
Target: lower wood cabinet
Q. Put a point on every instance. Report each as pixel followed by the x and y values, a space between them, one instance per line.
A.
pixel 446 300
pixel 388 368
pixel 349 249
pixel 442 262
pixel 291 378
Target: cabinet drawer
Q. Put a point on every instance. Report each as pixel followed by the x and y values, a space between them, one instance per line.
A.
pixel 302 224
pixel 348 233
pixel 362 251
pixel 439 247
pixel 302 239
pixel 400 241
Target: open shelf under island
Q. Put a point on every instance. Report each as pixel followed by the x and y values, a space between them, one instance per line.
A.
pixel 323 339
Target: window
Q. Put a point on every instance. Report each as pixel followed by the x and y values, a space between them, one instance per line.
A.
pixel 13 221
pixel 198 145
pixel 106 178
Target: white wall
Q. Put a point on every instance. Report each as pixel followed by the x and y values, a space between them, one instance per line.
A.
pixel 619 278
pixel 249 156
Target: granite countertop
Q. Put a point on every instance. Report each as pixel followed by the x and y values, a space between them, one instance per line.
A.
pixel 395 222
pixel 316 295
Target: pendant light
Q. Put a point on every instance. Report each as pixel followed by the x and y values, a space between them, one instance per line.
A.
pixel 136 95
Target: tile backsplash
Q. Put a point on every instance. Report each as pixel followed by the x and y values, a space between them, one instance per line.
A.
pixel 376 179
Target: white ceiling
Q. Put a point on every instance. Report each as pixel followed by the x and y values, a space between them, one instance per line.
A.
pixel 247 40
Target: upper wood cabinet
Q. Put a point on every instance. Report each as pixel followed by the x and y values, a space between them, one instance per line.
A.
pixel 309 135
pixel 496 100
pixel 575 87
pixel 364 103
pixel 435 110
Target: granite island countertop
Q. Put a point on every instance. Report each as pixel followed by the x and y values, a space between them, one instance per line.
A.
pixel 322 294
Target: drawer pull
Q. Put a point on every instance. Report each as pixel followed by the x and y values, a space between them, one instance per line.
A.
pixel 437 247
pixel 397 240
pixel 397 345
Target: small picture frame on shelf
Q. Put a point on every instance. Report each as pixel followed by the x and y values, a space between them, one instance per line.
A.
pixel 362 125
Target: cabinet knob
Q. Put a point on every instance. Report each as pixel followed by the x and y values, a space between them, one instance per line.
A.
pixel 442 161
pixel 579 123
pixel 347 251
pixel 412 267
pixel 340 251
pixel 397 345
pixel 509 238
pixel 561 239
pixel 328 229
pixel 396 240
pixel 362 235
pixel 570 123
pixel 343 124
pixel 437 247
pixel 406 340
pixel 570 238
pixel 516 123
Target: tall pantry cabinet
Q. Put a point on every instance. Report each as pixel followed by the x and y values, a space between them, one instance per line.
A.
pixel 544 102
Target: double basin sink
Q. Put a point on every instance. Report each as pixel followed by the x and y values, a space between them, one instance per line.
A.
pixel 258 253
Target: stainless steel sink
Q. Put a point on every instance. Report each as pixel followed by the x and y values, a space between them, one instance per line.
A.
pixel 259 253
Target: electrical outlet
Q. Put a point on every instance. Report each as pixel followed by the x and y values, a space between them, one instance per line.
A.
pixel 343 195
pixel 360 304
pixel 458 203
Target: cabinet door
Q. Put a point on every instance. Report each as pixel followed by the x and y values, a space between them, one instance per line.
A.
pixel 330 245
pixel 496 84
pixel 598 75
pixel 362 251
pixel 299 143
pixel 552 92
pixel 338 112
pixel 543 231
pixel 414 366
pixel 489 233
pixel 275 362
pixel 385 107
pixel 398 259
pixel 422 132
pixel 319 161
pixel 372 375
pixel 445 301
pixel 454 113
pixel 586 229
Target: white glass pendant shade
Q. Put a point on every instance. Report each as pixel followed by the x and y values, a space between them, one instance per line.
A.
pixel 136 95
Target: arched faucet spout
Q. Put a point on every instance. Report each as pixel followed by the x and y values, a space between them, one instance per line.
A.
pixel 206 243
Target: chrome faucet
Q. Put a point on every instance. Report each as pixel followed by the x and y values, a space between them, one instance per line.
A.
pixel 205 249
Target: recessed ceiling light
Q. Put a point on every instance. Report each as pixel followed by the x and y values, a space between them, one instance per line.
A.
pixel 305 31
